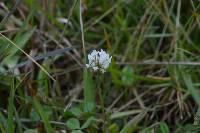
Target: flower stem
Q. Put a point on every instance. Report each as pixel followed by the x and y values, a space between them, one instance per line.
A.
pixel 99 79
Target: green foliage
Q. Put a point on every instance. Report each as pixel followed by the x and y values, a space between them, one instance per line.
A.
pixel 88 122
pixel 76 112
pixel 89 92
pixel 30 131
pixel 73 123
pixel 113 128
pixel 76 131
pixel 11 59
pixel 154 75
pixel 43 115
pixel 127 76
pixel 164 128
pixel 10 122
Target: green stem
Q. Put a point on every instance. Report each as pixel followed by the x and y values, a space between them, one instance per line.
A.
pixel 99 78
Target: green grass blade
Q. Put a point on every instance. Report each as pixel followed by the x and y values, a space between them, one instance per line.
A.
pixel 19 124
pixel 10 123
pixel 42 114
pixel 131 125
pixel 2 123
pixel 191 88
pixel 164 128
pixel 20 41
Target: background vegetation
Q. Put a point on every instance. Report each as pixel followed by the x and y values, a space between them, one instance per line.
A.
pixel 152 85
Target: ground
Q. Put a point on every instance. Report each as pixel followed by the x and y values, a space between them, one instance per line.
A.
pixel 151 85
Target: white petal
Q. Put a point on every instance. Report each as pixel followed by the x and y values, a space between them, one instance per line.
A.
pixel 87 65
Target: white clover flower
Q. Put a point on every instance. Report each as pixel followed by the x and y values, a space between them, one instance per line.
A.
pixel 99 60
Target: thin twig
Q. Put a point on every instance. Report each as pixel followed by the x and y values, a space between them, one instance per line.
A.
pixel 9 30
pixel 82 30
pixel 10 13
pixel 189 63
pixel 24 120
pixel 68 18
pixel 43 56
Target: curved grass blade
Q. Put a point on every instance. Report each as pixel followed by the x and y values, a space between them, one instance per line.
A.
pixel 42 114
pixel 31 58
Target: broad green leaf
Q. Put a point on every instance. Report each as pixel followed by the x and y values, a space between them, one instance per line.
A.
pixel 76 131
pixel 76 112
pixel 73 123
pixel 89 92
pixel 164 128
pixel 30 131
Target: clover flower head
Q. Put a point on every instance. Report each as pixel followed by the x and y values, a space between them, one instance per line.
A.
pixel 99 60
